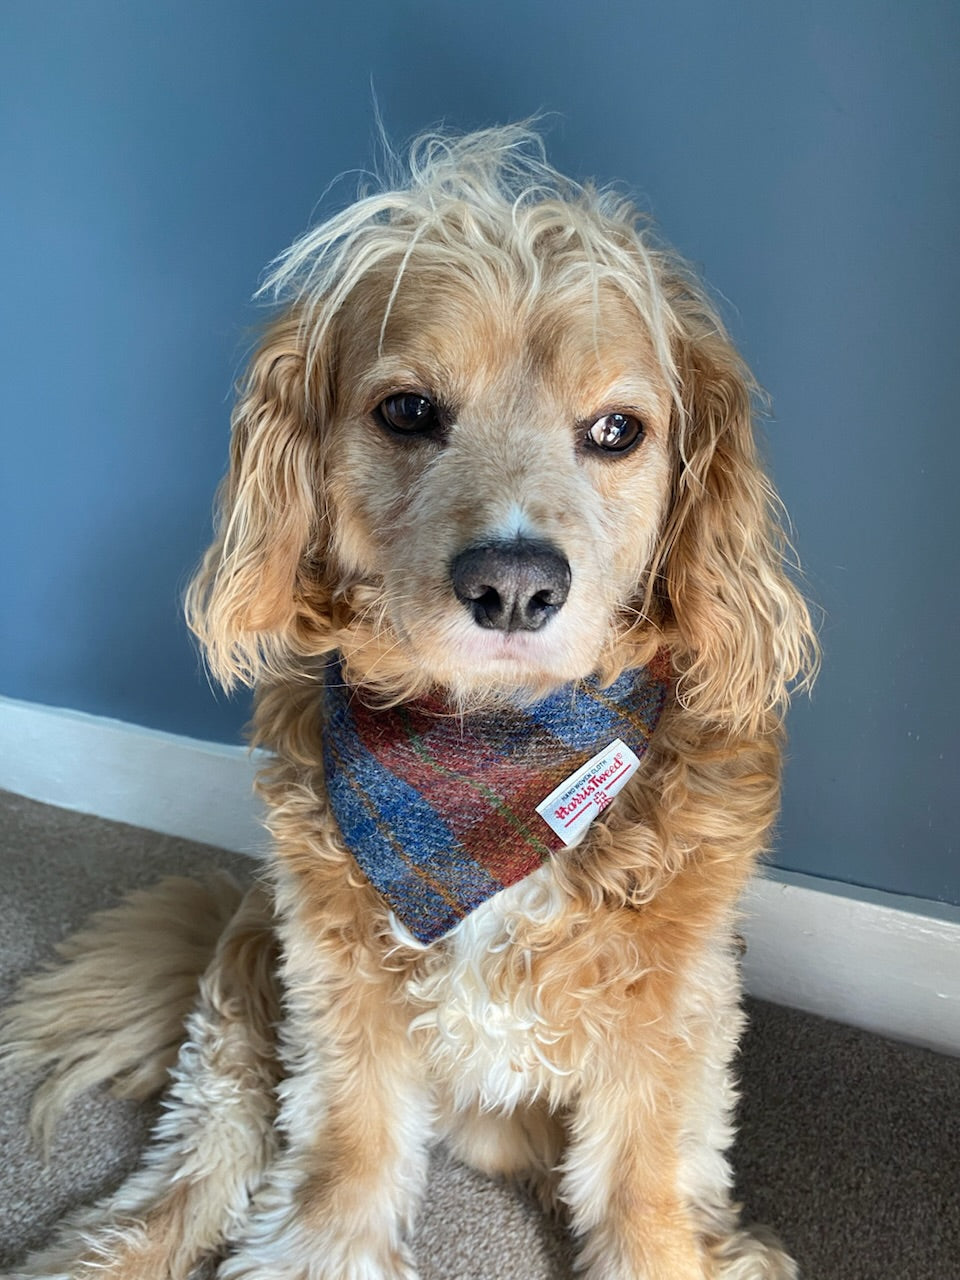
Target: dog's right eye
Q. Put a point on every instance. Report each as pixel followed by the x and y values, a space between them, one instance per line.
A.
pixel 408 413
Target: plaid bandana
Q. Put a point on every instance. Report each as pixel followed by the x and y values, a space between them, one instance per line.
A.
pixel 442 811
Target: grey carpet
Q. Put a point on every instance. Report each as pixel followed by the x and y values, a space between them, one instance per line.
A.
pixel 849 1144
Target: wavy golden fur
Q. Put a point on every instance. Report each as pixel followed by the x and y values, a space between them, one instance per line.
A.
pixel 577 1029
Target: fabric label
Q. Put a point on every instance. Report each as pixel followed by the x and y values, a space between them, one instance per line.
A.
pixel 572 806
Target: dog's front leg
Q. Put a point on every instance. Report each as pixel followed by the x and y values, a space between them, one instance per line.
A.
pixel 621 1175
pixel 355 1121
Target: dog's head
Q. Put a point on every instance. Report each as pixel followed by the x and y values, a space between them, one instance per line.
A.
pixel 496 442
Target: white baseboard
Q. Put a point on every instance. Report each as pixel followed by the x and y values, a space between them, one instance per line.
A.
pixel 180 786
pixel 877 961
pixel 873 960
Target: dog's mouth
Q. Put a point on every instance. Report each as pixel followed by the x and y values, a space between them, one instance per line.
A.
pixel 502 647
pixel 472 655
pixel 502 615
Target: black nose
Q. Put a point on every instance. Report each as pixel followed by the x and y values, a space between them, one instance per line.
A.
pixel 511 586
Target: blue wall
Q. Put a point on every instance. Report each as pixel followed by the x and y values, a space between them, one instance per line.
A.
pixel 156 155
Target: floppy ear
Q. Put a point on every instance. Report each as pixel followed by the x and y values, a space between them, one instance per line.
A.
pixel 259 595
pixel 743 630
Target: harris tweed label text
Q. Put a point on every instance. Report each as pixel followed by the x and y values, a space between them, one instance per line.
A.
pixel 570 808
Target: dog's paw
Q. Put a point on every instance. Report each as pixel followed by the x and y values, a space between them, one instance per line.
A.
pixel 752 1255
pixel 319 1260
pixel 351 1269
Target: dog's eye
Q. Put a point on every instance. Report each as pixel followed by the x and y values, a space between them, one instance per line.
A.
pixel 615 432
pixel 409 413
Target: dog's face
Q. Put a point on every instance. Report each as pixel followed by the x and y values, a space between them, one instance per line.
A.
pixel 497 443
pixel 499 459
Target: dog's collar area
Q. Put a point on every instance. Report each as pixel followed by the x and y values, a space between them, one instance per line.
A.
pixel 441 812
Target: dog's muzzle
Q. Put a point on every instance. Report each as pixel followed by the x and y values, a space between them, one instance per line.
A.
pixel 515 585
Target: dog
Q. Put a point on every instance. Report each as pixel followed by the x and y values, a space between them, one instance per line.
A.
pixel 498 554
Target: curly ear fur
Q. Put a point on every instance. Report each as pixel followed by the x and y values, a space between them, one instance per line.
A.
pixel 743 632
pixel 250 604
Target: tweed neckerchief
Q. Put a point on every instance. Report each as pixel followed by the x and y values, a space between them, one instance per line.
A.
pixel 441 811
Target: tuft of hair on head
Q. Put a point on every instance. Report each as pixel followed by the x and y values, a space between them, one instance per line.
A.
pixel 494 196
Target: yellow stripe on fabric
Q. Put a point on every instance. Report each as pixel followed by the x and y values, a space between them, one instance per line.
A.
pixel 644 730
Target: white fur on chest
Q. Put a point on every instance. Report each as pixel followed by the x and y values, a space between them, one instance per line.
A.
pixel 479 1019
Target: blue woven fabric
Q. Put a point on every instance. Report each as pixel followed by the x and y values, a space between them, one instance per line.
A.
pixel 440 811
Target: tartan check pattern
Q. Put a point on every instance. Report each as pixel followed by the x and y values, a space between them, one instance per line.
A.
pixel 439 810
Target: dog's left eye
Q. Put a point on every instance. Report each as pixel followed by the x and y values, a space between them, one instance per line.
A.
pixel 615 432
pixel 408 413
